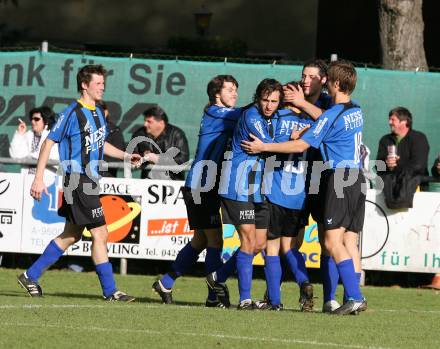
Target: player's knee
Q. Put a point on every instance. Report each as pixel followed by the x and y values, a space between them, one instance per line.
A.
pixel 260 246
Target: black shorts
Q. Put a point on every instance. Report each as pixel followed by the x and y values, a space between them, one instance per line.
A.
pixel 347 210
pixel 314 206
pixel 84 208
pixel 283 221
pixel 204 214
pixel 243 212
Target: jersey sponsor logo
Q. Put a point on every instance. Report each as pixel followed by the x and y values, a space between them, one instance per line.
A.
pixel 247 214
pixel 288 125
pixel 95 140
pixel 329 220
pixel 59 121
pixel 259 127
pixel 353 120
pixel 319 127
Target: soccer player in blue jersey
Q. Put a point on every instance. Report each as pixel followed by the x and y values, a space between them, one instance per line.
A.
pixel 312 101
pixel 80 132
pixel 242 200
pixel 201 187
pixel 338 135
pixel 285 194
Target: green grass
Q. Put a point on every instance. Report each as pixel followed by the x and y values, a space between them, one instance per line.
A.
pixel 73 315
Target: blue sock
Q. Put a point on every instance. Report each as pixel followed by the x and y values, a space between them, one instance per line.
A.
pixel 297 265
pixel 185 259
pixel 272 270
pixel 106 278
pixel 349 279
pixel 50 255
pixel 330 277
pixel 213 261
pixel 227 269
pixel 244 271
pixel 358 277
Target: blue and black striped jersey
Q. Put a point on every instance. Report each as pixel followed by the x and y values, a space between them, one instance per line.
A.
pixel 216 130
pixel 338 135
pixel 81 132
pixel 285 185
pixel 241 178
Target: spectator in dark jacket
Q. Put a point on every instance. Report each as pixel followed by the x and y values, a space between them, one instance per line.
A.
pixel 435 170
pixel 166 145
pixel 405 153
pixel 411 146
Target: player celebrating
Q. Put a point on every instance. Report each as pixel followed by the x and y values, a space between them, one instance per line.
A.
pixel 284 190
pixel 338 135
pixel 80 131
pixel 242 201
pixel 201 187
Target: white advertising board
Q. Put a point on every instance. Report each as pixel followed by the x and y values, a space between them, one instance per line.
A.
pixel 147 219
pixel 11 202
pixel 402 240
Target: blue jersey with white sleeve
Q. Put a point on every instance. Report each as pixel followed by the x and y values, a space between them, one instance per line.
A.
pixel 216 130
pixel 285 185
pixel 81 132
pixel 241 177
pixel 338 135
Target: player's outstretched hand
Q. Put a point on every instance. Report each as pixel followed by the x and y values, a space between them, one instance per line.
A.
pixel 298 134
pixel 37 189
pixel 254 147
pixel 136 160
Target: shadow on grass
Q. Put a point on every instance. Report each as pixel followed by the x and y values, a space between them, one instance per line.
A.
pixel 158 301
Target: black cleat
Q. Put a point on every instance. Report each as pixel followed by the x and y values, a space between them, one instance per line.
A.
pixel 32 287
pixel 214 304
pixel 260 305
pixel 351 307
pixel 330 306
pixel 220 289
pixel 363 306
pixel 119 296
pixel 247 304
pixel 306 297
pixel 164 293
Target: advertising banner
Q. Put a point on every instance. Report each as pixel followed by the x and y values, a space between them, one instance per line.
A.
pixel 11 201
pixel 402 240
pixel 146 219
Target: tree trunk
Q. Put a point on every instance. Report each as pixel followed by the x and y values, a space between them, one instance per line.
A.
pixel 401 34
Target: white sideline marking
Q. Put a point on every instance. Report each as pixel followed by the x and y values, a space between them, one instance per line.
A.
pixel 157 306
pixel 192 334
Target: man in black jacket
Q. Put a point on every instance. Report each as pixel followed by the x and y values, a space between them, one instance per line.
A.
pixel 405 153
pixel 411 146
pixel 158 149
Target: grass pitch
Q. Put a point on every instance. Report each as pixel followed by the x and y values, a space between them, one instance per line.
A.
pixel 73 315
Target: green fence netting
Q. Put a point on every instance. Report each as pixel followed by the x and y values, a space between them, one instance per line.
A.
pixel 32 78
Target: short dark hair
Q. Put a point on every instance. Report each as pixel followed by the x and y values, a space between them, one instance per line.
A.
pixel 402 114
pixel 317 63
pixel 46 113
pixel 345 73
pixel 85 74
pixel 266 87
pixel 216 85
pixel 157 113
